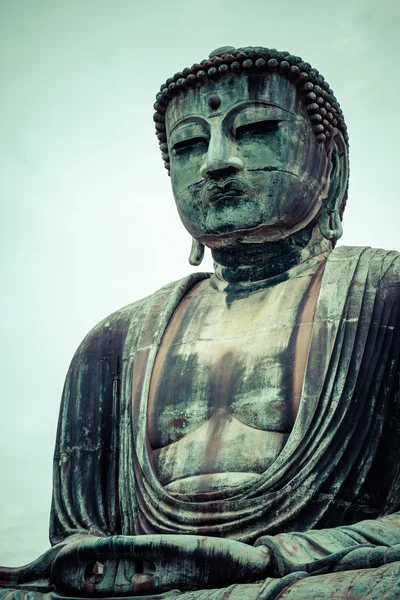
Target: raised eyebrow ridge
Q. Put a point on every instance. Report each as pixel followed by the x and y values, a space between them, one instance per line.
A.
pixel 190 120
pixel 237 109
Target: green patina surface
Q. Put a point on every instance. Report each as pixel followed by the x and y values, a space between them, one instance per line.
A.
pixel 238 428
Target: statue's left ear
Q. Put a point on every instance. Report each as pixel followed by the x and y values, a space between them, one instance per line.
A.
pixel 329 219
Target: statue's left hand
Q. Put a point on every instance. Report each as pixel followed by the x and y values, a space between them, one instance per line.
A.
pixel 155 563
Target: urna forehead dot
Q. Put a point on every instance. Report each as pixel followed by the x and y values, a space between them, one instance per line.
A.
pixel 214 101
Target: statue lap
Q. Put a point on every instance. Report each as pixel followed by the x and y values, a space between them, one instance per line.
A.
pixel 382 583
pixel 358 583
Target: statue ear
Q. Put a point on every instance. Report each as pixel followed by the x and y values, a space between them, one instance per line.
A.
pixel 196 253
pixel 329 219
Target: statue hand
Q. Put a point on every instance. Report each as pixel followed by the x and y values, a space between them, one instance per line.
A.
pixel 155 563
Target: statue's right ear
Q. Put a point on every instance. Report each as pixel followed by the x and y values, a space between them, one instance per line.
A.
pixel 329 219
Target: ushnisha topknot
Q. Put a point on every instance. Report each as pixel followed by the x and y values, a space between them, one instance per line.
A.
pixel 322 107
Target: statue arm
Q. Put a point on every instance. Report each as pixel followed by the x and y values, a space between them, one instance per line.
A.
pixel 336 549
pixel 358 544
pixel 86 459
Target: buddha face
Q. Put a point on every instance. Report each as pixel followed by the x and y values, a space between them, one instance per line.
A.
pixel 245 162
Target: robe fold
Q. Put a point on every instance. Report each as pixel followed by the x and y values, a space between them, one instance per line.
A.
pixel 340 464
pixel 334 488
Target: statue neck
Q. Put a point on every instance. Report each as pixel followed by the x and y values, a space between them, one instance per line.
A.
pixel 252 265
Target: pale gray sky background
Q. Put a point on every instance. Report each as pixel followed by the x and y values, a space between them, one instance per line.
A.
pixel 88 222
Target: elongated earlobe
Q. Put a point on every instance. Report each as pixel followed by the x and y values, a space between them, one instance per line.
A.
pixel 329 220
pixel 196 253
pixel 330 224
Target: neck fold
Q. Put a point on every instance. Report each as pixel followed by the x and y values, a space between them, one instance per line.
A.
pixel 250 265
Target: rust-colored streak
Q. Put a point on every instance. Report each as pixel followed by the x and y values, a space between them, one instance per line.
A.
pixel 303 338
pixel 222 390
pixel 171 334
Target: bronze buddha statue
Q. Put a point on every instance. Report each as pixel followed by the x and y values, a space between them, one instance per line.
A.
pixel 239 428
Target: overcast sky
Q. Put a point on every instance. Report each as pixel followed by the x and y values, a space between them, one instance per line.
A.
pixel 88 222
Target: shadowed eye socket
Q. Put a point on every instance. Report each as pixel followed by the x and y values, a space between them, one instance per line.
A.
pixel 257 128
pixel 191 143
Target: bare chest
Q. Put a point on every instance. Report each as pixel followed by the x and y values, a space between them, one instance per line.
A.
pixel 242 360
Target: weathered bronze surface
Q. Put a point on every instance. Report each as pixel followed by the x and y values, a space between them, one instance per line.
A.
pixel 236 434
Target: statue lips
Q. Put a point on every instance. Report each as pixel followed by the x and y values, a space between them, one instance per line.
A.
pixel 224 192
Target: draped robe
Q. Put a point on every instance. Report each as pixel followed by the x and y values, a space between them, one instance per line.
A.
pixel 333 490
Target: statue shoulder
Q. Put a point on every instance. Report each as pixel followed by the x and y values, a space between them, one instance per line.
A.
pixel 107 338
pixel 385 263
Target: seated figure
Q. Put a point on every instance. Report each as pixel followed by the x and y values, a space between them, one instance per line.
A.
pixel 238 432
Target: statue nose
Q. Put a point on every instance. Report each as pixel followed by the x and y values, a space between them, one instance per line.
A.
pixel 221 169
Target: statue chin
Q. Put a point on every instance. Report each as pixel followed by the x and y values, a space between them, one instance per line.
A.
pixel 233 236
pixel 259 234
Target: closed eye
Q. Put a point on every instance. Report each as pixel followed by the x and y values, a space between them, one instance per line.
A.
pixel 189 143
pixel 257 128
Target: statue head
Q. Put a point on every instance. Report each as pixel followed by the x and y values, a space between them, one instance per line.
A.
pixel 256 146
